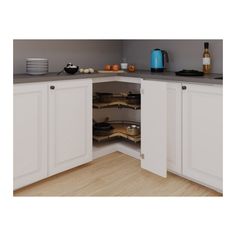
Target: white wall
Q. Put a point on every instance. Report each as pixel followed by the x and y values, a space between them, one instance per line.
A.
pixel 183 54
pixel 85 53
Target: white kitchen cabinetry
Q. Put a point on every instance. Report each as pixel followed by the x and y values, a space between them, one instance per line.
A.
pixel 70 124
pixel 52 128
pixel 154 126
pixel 30 133
pixel 181 129
pixel 174 126
pixel 202 134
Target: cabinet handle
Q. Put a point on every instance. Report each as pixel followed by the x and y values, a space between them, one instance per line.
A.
pixel 184 87
pixel 52 87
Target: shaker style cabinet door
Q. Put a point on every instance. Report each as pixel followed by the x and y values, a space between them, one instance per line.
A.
pixel 154 127
pixel 70 124
pixel 30 133
pixel 203 134
pixel 174 127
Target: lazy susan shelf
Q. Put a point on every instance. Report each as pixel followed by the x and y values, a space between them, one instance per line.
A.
pixel 118 104
pixel 119 131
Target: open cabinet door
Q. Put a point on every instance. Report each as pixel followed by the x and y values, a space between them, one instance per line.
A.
pixel 154 127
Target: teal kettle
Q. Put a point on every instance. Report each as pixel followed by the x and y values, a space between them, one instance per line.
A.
pixel 159 60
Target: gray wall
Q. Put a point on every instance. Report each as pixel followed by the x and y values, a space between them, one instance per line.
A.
pixel 183 54
pixel 85 53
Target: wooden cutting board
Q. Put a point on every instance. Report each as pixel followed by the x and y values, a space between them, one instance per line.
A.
pixel 110 71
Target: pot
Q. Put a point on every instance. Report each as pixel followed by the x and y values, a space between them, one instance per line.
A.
pixel 102 128
pixel 134 98
pixel 105 97
pixel 133 129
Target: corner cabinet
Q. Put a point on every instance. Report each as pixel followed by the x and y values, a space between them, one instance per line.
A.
pixel 70 124
pixel 161 116
pixel 52 128
pixel 203 134
pixel 154 126
pixel 182 131
pixel 29 133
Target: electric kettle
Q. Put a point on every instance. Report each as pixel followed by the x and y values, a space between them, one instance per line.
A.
pixel 159 60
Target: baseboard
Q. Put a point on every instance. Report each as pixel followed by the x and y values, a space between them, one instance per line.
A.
pixel 127 148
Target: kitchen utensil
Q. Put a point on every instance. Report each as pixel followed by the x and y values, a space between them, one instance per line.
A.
pixel 133 129
pixel 104 97
pixel 159 60
pixel 123 66
pixel 133 98
pixel 102 126
pixel 110 71
pixel 71 69
pixel 189 73
pixel 36 66
pixel 220 78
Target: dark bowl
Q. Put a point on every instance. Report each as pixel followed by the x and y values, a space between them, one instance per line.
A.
pixel 71 70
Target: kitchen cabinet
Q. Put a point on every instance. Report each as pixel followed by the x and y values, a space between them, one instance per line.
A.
pixel 188 141
pixel 52 128
pixel 181 128
pixel 203 134
pixel 70 124
pixel 154 126
pixel 174 126
pixel 30 133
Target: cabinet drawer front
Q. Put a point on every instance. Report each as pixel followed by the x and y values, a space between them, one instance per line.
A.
pixel 30 134
pixel 203 134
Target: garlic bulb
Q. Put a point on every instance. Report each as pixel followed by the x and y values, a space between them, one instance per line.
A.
pixel 91 70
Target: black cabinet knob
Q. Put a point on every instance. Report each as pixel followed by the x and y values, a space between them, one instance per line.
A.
pixel 52 87
pixel 184 87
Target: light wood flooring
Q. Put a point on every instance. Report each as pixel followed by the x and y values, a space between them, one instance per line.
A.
pixel 114 175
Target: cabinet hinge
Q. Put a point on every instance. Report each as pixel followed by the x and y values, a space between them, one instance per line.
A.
pixel 142 156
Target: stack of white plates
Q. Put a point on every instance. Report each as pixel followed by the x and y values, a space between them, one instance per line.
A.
pixel 36 66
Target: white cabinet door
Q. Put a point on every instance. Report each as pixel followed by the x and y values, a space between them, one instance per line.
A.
pixel 203 134
pixel 30 133
pixel 70 124
pixel 154 126
pixel 174 127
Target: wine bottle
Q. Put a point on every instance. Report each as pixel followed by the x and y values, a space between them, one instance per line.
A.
pixel 206 60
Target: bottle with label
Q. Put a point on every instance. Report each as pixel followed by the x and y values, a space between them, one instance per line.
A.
pixel 206 60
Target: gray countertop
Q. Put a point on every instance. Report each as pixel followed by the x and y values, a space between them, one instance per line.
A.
pixel 165 76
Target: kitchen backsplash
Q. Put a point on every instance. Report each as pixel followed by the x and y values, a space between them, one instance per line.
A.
pixel 183 54
pixel 85 53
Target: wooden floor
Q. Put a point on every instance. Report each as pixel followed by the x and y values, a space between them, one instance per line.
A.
pixel 114 175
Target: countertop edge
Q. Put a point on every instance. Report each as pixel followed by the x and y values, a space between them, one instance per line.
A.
pixel 165 76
